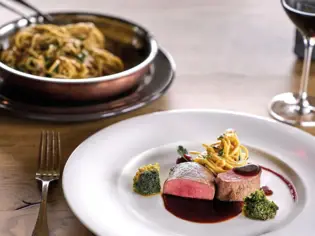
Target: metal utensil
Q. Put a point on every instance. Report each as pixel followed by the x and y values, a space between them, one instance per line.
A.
pixel 48 171
pixel 46 16
pixel 15 11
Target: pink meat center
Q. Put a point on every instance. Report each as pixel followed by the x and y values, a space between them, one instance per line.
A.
pixel 188 188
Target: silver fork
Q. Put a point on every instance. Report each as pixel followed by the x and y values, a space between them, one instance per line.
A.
pixel 48 171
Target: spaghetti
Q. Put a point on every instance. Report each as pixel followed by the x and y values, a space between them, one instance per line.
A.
pixel 72 51
pixel 223 155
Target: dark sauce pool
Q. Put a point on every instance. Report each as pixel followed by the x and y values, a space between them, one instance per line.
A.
pixel 201 211
pixel 205 211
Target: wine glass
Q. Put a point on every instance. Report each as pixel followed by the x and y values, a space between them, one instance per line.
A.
pixel 299 108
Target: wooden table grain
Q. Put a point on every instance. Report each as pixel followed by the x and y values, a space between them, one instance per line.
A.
pixel 233 55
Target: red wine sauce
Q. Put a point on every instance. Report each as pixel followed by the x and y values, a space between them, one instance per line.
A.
pixel 287 182
pixel 201 211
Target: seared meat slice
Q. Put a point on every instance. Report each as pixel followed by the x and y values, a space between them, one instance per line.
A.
pixel 234 187
pixel 190 180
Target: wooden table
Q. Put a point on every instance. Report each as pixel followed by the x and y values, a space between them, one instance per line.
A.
pixel 233 55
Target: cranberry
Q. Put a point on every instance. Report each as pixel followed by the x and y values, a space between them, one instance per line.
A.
pixel 180 160
pixel 186 158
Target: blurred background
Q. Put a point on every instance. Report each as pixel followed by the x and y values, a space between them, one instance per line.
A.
pixel 213 36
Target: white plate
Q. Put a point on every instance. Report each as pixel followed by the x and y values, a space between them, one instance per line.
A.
pixel 97 178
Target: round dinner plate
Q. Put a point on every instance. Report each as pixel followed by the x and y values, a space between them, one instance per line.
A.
pixel 97 179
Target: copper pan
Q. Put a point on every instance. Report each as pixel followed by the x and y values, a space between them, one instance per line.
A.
pixel 135 45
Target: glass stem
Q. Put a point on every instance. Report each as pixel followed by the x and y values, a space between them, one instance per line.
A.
pixel 302 97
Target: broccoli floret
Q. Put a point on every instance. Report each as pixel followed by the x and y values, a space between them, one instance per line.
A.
pixel 258 207
pixel 147 180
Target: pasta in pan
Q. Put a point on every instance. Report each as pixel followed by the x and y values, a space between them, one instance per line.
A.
pixel 223 155
pixel 70 51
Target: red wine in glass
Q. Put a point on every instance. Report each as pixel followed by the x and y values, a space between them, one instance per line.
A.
pixel 301 14
pixel 298 108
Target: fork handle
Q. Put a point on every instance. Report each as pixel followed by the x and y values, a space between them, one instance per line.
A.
pixel 41 226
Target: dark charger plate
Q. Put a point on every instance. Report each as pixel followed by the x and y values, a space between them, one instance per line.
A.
pixel 152 86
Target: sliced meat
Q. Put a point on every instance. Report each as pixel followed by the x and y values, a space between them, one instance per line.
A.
pixel 190 180
pixel 235 187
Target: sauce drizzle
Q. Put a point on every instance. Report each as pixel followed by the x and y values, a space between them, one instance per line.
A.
pixel 287 182
pixel 201 211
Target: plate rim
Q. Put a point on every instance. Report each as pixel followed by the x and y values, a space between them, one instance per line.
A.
pixel 157 113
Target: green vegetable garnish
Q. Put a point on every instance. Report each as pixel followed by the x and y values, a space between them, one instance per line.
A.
pixel 81 37
pixel 220 153
pixel 48 62
pixel 147 180
pixel 258 207
pixel 56 69
pixel 182 151
pixel 81 56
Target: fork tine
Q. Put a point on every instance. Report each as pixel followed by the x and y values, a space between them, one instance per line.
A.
pixel 42 156
pixel 58 152
pixel 53 150
pixel 48 146
pixel 50 154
